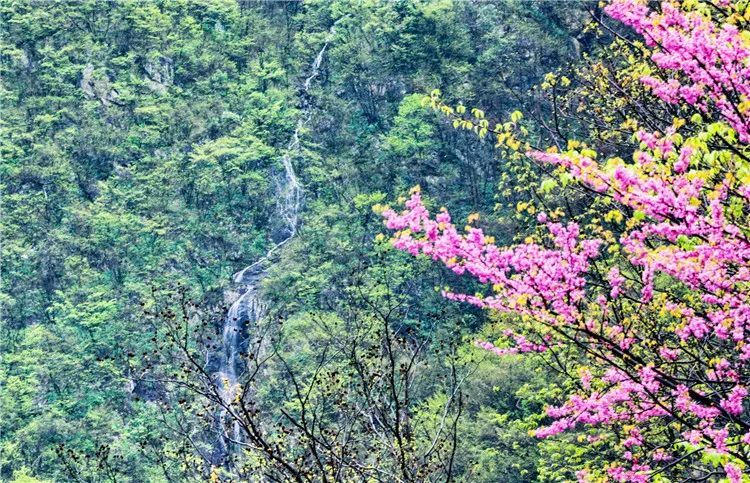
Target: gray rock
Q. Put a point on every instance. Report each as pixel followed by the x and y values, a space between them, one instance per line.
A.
pixel 98 86
pixel 159 73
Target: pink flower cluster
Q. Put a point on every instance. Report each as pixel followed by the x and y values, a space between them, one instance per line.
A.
pixel 710 62
pixel 528 279
pixel 713 258
pixel 521 345
pixel 625 398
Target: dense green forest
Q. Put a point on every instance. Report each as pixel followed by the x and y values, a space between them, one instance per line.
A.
pixel 146 156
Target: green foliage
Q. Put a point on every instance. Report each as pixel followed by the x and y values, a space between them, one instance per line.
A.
pixel 140 143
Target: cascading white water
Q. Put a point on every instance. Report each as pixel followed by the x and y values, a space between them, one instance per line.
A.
pixel 248 308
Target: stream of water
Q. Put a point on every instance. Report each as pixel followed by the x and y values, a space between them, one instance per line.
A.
pixel 249 308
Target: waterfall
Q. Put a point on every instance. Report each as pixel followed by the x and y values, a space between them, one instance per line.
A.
pixel 249 308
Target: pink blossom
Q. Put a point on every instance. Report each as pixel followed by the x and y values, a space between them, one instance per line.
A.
pixel 734 473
